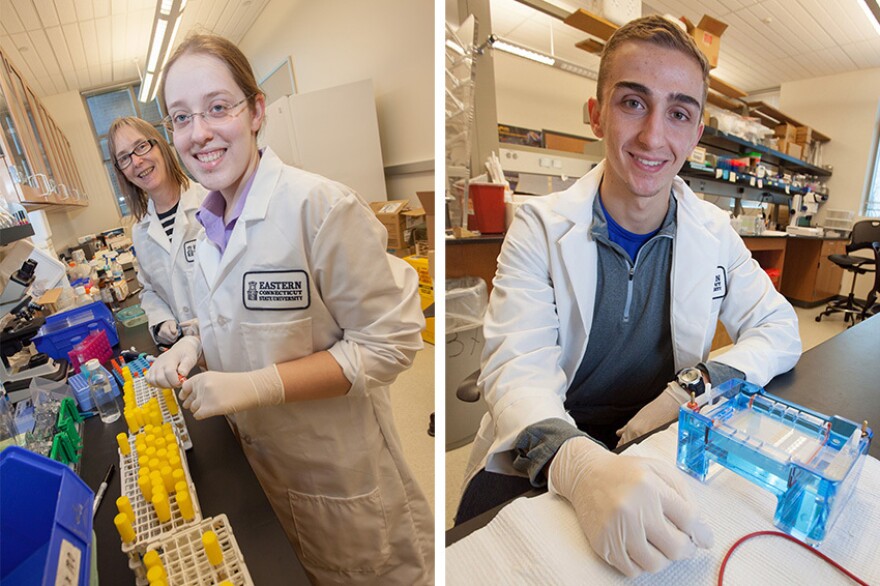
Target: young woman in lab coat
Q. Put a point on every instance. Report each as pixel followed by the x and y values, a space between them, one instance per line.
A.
pixel 304 322
pixel 158 192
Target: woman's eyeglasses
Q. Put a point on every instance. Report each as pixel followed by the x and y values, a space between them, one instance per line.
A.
pixel 216 114
pixel 123 161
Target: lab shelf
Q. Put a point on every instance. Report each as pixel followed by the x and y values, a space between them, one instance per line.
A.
pixel 13 233
pixel 736 146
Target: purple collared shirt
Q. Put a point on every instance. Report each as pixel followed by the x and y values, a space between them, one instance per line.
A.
pixel 210 214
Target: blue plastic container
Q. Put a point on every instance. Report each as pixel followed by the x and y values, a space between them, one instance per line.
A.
pixel 64 330
pixel 80 385
pixel 811 462
pixel 45 520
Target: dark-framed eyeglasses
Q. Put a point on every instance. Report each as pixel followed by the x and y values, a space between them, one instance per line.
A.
pixel 216 114
pixel 123 161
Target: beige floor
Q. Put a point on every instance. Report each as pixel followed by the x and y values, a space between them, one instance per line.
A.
pixel 812 334
pixel 412 402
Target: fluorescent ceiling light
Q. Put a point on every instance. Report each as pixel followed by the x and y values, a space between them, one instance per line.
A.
pixel 872 11
pixel 520 51
pixel 523 52
pixel 165 25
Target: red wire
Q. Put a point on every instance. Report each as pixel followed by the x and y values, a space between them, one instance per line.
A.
pixel 793 540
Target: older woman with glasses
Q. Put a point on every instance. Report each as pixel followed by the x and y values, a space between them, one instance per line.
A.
pixel 164 202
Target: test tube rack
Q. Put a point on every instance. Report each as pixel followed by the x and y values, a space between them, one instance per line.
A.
pixel 185 561
pixel 147 527
pixel 143 392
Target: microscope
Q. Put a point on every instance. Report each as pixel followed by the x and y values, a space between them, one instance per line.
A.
pixel 19 362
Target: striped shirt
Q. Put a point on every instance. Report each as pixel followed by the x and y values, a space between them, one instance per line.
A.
pixel 167 219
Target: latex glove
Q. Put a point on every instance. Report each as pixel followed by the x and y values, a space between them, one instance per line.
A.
pixel 175 362
pixel 168 333
pixel 661 410
pixel 221 393
pixel 190 327
pixel 637 513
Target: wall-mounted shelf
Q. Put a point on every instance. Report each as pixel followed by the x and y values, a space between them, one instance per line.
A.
pixel 736 146
pixel 13 233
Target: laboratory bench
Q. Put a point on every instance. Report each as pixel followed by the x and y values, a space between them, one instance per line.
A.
pixel 837 377
pixel 224 481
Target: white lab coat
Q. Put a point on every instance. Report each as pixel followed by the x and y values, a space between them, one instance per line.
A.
pixel 306 270
pixel 541 310
pixel 165 268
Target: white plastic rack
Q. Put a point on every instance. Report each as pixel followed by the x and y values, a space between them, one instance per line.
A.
pixel 143 392
pixel 147 527
pixel 185 562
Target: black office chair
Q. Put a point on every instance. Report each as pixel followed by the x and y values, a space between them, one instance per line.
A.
pixel 872 304
pixel 864 234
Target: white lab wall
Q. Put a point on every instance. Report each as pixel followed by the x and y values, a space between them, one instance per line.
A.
pixel 332 132
pixel 102 213
pixel 532 95
pixel 334 42
pixel 845 107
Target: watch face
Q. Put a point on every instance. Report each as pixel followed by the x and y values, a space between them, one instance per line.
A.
pixel 690 376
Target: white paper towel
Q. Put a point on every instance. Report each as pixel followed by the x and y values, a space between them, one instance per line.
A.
pixel 539 541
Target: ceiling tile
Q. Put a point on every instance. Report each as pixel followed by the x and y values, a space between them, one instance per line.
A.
pixel 11 22
pixel 102 8
pixel 117 27
pixel 104 35
pixel 46 12
pixel 85 10
pixel 88 34
pixel 42 53
pixel 67 13
pixel 27 13
pixel 75 45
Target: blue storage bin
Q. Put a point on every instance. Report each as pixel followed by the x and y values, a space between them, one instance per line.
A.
pixel 80 385
pixel 45 520
pixel 64 330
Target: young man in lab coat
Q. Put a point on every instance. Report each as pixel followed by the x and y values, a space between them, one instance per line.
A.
pixel 605 304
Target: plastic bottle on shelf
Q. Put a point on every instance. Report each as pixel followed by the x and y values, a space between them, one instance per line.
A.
pixel 101 392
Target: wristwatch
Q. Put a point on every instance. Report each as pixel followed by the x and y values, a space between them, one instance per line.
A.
pixel 691 380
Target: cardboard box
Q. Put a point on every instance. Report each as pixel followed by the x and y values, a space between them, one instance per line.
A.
pixel 795 150
pixel 803 135
pixel 426 198
pixel 786 132
pixel 397 219
pixel 707 36
pixel 564 142
pixel 426 292
pixel 518 135
pixel 400 252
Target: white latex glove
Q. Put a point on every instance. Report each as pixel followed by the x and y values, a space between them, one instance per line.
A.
pixel 661 410
pixel 190 327
pixel 168 332
pixel 637 513
pixel 175 362
pixel 221 393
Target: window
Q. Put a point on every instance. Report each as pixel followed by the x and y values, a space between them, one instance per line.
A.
pixel 107 105
pixel 872 199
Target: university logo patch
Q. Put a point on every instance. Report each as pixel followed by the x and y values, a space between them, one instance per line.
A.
pixel 275 290
pixel 189 250
pixel 719 286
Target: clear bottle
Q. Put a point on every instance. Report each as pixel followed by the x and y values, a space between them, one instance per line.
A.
pixel 101 392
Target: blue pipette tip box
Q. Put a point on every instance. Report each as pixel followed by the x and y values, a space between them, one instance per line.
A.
pixel 811 462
